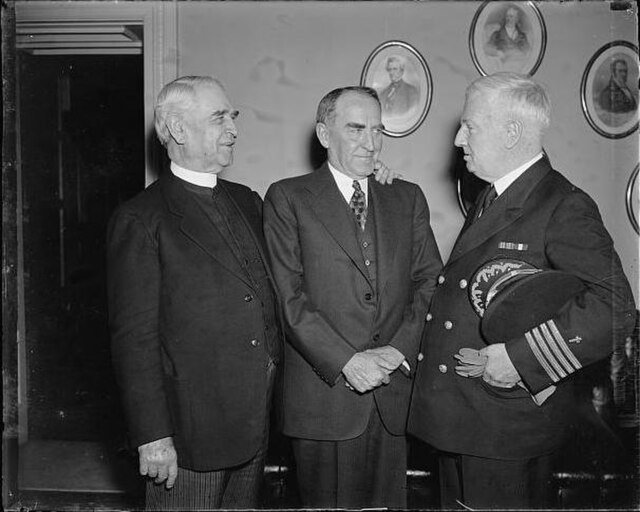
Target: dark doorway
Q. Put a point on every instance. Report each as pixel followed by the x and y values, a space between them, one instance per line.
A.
pixel 81 153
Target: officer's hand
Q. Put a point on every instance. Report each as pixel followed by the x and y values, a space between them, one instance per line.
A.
pixel 383 174
pixel 499 370
pixel 158 460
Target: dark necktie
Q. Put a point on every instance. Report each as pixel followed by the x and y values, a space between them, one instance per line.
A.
pixel 488 199
pixel 358 204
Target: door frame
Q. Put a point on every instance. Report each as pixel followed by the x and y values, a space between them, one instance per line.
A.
pixel 158 20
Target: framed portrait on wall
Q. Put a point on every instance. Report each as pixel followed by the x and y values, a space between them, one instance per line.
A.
pixel 402 78
pixel 507 36
pixel 632 199
pixel 609 90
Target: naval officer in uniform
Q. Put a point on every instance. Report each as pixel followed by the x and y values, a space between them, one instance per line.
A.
pixel 496 443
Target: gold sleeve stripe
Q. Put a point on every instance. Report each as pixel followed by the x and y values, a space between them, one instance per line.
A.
pixel 545 350
pixel 563 345
pixel 551 341
pixel 540 357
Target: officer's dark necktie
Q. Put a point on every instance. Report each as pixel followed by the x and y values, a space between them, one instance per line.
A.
pixel 358 204
pixel 488 199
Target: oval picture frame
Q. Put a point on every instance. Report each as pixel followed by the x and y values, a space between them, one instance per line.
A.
pixel 611 111
pixel 498 43
pixel 402 78
pixel 632 200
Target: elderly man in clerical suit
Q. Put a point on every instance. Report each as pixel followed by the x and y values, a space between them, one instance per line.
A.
pixel 192 312
pixel 355 265
pixel 497 443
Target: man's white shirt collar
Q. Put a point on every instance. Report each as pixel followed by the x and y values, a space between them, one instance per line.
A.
pixel 503 183
pixel 345 184
pixel 202 179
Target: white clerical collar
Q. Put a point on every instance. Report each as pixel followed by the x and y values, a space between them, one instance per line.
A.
pixel 503 183
pixel 202 179
pixel 345 184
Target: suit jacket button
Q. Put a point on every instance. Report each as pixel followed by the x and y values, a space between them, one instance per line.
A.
pixel 367 262
pixel 440 279
pixel 448 325
pixel 255 343
pixel 376 337
pixel 368 296
pixel 429 317
pixel 248 297
pixel 420 356
pixel 463 283
pixel 442 368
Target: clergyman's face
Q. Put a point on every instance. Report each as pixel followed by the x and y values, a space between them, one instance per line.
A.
pixel 481 136
pixel 210 130
pixel 620 72
pixel 353 138
pixel 395 70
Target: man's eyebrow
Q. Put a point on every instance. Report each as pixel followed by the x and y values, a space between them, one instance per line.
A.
pixel 218 113
pixel 355 125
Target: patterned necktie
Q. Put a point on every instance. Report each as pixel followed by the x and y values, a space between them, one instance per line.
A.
pixel 488 199
pixel 358 204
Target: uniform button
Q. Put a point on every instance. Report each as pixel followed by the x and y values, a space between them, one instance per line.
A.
pixel 255 343
pixel 368 296
pixel 248 297
pixel 420 356
pixel 376 337
pixel 463 283
pixel 367 262
pixel 440 279
pixel 448 325
pixel 442 368
pixel 429 317
pixel 365 244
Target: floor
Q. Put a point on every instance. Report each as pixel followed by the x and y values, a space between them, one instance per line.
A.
pixel 79 476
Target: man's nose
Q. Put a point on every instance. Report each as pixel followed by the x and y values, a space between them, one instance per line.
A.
pixel 230 126
pixel 368 141
pixel 460 139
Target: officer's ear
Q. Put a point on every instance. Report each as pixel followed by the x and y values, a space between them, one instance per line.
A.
pixel 514 131
pixel 175 125
pixel 322 133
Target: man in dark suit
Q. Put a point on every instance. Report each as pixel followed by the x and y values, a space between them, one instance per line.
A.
pixel 355 265
pixel 399 96
pixel 192 312
pixel 497 443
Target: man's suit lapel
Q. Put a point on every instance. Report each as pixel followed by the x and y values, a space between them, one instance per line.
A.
pixel 330 208
pixel 258 237
pixel 198 227
pixel 386 219
pixel 506 209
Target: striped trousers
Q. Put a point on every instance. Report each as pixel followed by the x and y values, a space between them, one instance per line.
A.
pixel 237 487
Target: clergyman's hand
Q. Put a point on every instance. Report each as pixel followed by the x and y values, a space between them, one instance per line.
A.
pixel 383 174
pixel 159 460
pixel 365 372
